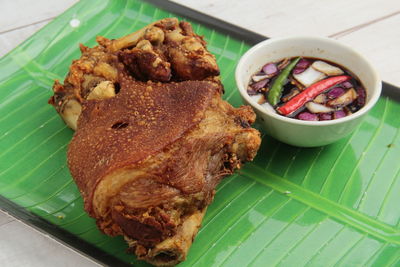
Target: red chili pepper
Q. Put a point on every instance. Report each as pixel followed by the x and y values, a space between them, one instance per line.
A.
pixel 310 93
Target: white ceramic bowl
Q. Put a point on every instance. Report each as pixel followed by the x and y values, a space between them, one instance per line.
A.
pixel 298 132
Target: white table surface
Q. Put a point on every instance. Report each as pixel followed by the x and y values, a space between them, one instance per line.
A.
pixel 370 26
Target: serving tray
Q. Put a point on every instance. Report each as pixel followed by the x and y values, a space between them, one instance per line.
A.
pixel 332 205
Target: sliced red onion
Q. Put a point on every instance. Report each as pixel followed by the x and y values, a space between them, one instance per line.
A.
pixel 339 114
pixel 270 69
pixel 335 92
pixel 298 70
pixel 361 97
pixel 303 63
pixel 301 66
pixel 307 116
pixel 325 116
pixel 259 85
pixel 347 85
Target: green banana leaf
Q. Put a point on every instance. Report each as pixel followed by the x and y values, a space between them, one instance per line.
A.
pixel 334 205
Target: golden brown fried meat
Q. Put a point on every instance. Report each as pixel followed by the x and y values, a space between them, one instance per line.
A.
pixel 153 136
pixel 144 63
pixel 162 51
pixel 188 55
pixel 92 75
pixel 148 160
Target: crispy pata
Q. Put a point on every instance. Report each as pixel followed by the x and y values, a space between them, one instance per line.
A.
pixel 153 136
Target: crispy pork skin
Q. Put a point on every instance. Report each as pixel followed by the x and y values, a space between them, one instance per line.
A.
pixel 153 136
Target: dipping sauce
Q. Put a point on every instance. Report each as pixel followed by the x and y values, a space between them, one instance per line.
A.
pixel 307 88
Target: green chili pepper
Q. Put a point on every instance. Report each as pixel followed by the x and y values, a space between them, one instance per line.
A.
pixel 277 87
